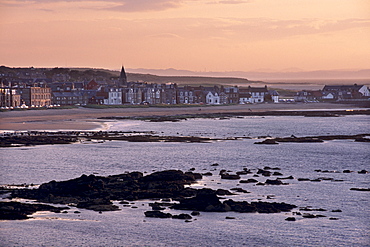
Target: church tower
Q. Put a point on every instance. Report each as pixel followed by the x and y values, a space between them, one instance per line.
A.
pixel 123 77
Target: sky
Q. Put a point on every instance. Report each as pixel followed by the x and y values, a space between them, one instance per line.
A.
pixel 197 35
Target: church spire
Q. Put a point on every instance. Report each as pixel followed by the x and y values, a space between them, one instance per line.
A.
pixel 123 77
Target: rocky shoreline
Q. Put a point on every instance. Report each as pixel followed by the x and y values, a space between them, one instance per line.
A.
pixel 226 115
pixel 97 193
pixel 169 187
pixel 309 139
pixel 32 138
pixel 69 137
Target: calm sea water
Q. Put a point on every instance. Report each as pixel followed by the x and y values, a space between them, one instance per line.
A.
pixel 129 227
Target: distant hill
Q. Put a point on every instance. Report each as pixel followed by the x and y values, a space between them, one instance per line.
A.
pixel 84 74
pixel 289 74
pixel 191 80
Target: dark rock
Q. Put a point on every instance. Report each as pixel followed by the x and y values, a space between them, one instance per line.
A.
pixel 20 211
pixel 223 171
pixel 207 174
pixel 215 164
pixel 195 213
pixel 230 176
pixel 360 189
pixel 312 209
pixel 303 179
pixel 362 172
pixel 299 139
pixel 250 180
pixel 361 139
pixel 260 207
pixel 205 200
pixel 274 182
pixel 242 172
pixel 157 214
pixel 290 177
pixel 260 184
pixel 306 215
pixel 347 171
pixel 156 207
pixel 333 218
pixel 336 211
pixel 277 174
pixel 268 142
pixel 195 175
pixel 290 219
pixel 124 202
pixel 222 192
pixel 264 173
pixel 229 218
pixel 95 193
pixel 275 168
pixel 239 190
pixel 182 217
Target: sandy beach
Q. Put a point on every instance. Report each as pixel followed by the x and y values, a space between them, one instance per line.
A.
pixel 87 118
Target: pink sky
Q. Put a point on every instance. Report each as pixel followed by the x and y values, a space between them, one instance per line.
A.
pixel 196 35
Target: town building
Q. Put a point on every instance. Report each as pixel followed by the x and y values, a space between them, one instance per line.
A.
pixel 9 98
pixel 35 96
pixel 252 95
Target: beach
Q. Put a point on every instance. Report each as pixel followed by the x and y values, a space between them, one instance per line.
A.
pixel 88 118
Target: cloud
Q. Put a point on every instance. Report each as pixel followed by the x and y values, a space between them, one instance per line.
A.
pixel 145 5
pixel 114 5
pixel 164 36
pixel 263 28
pixel 231 2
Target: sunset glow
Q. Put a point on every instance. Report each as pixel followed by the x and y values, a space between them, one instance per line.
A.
pixel 204 35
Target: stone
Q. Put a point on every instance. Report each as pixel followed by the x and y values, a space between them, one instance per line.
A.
pixel 157 214
pixel 290 219
pixel 240 190
pixel 229 218
pixel 182 217
pixel 274 182
pixel 250 180
pixel 230 176
pixel 21 211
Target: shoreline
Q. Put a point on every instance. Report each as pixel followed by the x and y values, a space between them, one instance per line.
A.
pixel 96 119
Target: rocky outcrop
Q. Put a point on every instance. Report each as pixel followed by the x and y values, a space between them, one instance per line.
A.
pixel 96 193
pixel 207 200
pixel 29 140
pixel 21 211
pixel 314 139
pixel 360 189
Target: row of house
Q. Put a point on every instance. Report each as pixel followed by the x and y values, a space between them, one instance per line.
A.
pixel 134 93
pixel 335 93
pixel 33 88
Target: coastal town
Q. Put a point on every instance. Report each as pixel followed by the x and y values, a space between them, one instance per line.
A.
pixel 58 87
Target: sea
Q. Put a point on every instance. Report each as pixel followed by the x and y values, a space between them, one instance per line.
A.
pixel 327 190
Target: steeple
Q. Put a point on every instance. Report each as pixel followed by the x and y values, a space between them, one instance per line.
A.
pixel 123 77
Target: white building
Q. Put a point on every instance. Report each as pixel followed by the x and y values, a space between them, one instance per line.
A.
pixel 213 98
pixel 114 97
